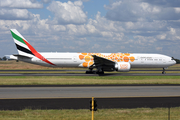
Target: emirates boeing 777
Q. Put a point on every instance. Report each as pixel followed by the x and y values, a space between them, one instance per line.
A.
pixel 121 62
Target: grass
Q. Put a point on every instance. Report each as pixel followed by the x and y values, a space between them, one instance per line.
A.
pixel 101 114
pixel 81 80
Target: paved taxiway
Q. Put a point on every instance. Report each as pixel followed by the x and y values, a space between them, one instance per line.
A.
pixel 75 70
pixel 71 73
pixel 88 91
pixel 83 74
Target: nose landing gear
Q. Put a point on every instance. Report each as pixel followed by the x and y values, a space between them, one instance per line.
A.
pixel 163 72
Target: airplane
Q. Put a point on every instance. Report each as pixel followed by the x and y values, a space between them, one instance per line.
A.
pixel 121 62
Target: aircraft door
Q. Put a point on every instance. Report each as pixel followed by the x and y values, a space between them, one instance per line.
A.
pixel 75 59
pixel 164 61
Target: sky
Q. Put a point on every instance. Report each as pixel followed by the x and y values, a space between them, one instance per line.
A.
pixel 102 26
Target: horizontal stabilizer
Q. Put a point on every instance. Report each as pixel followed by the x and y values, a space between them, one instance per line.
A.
pixel 22 56
pixel 10 57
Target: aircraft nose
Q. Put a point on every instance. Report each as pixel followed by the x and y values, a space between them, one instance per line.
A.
pixel 174 61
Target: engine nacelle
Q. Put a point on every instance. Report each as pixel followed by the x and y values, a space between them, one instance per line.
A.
pixel 123 66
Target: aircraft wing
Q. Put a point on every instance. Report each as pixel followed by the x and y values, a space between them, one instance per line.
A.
pixel 100 61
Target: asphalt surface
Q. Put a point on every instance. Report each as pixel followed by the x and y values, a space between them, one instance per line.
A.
pixel 88 91
pixel 84 103
pixel 71 70
pixel 83 74
pixel 71 73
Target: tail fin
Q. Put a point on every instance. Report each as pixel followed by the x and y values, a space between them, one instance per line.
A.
pixel 23 47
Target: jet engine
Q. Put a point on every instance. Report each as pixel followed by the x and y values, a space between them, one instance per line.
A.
pixel 122 67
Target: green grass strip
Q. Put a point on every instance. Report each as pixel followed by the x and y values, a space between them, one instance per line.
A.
pixel 74 80
pixel 101 114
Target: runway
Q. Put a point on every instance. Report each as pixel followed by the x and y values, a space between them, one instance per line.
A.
pixel 77 97
pixel 18 98
pixel 83 74
pixel 88 92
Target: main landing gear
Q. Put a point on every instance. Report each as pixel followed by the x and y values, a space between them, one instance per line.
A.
pixel 163 72
pixel 99 71
pixel 89 72
pixel 94 72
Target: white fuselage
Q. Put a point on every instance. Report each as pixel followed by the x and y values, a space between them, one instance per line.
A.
pixel 79 59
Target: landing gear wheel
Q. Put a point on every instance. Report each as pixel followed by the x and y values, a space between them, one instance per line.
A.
pixel 102 72
pixel 89 72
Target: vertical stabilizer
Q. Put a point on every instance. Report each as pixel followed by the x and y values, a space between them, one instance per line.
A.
pixel 24 48
pixel 21 44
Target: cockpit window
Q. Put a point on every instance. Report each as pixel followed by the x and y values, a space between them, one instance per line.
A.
pixel 172 58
